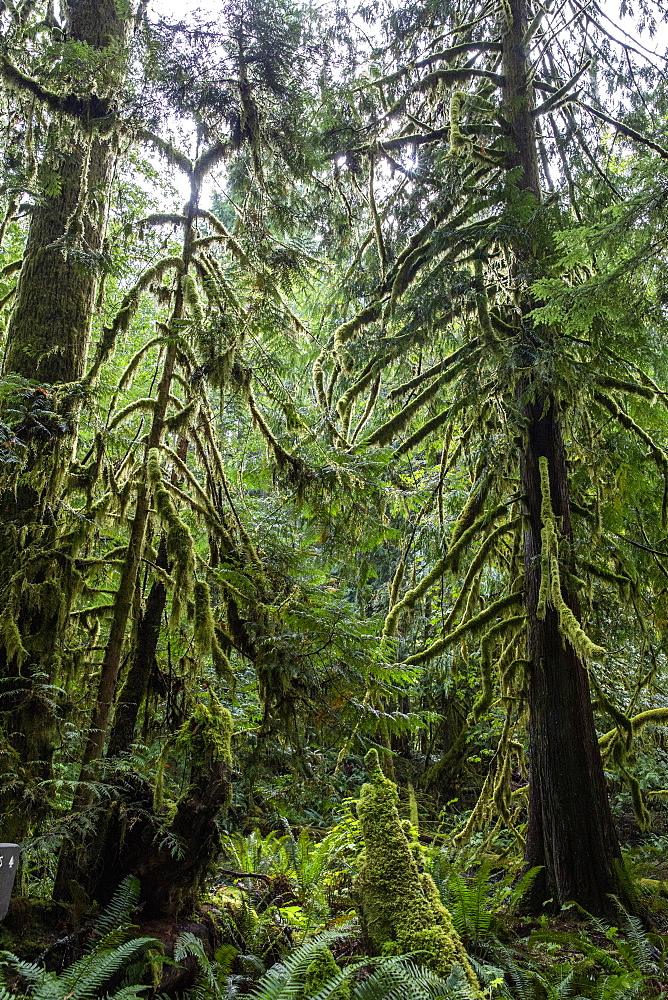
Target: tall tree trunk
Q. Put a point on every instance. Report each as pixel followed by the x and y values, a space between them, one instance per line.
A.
pixel 49 330
pixel 570 833
pixel 70 861
pixel 47 341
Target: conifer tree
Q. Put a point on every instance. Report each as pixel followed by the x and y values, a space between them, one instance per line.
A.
pixel 457 117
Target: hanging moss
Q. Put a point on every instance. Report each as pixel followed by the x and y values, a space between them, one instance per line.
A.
pixel 459 144
pixel 399 905
pixel 640 810
pixel 349 329
pixel 129 306
pixel 496 794
pixel 652 717
pixel 469 624
pixel 179 421
pixel 143 405
pixel 192 299
pixel 482 304
pixel 10 637
pixel 476 565
pixel 650 392
pixel 179 539
pixel 550 582
pixel 397 579
pixel 205 633
pixel 507 627
pixel 319 380
pixel 611 405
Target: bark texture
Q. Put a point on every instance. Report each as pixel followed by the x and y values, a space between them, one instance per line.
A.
pixel 135 687
pixel 50 326
pixel 570 833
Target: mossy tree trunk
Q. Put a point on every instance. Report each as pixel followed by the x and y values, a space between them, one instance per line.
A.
pixel 49 329
pixel 571 833
pixel 134 836
pixel 135 687
pixel 47 342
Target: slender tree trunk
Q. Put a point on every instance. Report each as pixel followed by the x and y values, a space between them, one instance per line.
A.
pixel 135 687
pixel 570 833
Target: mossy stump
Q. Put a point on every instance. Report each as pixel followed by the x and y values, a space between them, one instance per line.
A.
pixel 398 903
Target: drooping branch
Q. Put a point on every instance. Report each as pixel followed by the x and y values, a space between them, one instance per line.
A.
pixel 86 109
pixel 474 624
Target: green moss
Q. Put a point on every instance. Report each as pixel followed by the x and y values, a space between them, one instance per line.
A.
pixel 207 735
pixel 321 971
pixel 180 544
pixel 205 741
pixel 399 905
pixel 550 582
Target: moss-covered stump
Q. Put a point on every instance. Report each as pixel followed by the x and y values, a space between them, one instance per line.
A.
pixel 398 903
pixel 136 834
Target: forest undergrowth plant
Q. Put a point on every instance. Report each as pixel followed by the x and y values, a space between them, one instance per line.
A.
pixel 616 961
pixel 112 952
pixel 477 892
pixel 302 866
pixel 310 972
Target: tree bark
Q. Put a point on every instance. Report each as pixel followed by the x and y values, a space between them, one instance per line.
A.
pixel 47 341
pixel 570 834
pixel 49 330
pixel 135 687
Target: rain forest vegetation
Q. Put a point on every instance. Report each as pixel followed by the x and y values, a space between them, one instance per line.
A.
pixel 334 499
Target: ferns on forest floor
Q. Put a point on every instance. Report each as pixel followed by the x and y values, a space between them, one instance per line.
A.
pixel 111 954
pixel 395 978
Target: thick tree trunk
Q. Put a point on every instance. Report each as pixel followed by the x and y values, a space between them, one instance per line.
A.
pixel 47 341
pixel 570 833
pixel 49 330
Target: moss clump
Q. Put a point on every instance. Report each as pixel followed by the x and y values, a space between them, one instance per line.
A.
pixel 322 970
pixel 207 738
pixel 399 905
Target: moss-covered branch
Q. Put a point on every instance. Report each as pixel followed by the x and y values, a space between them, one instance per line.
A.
pixel 474 624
